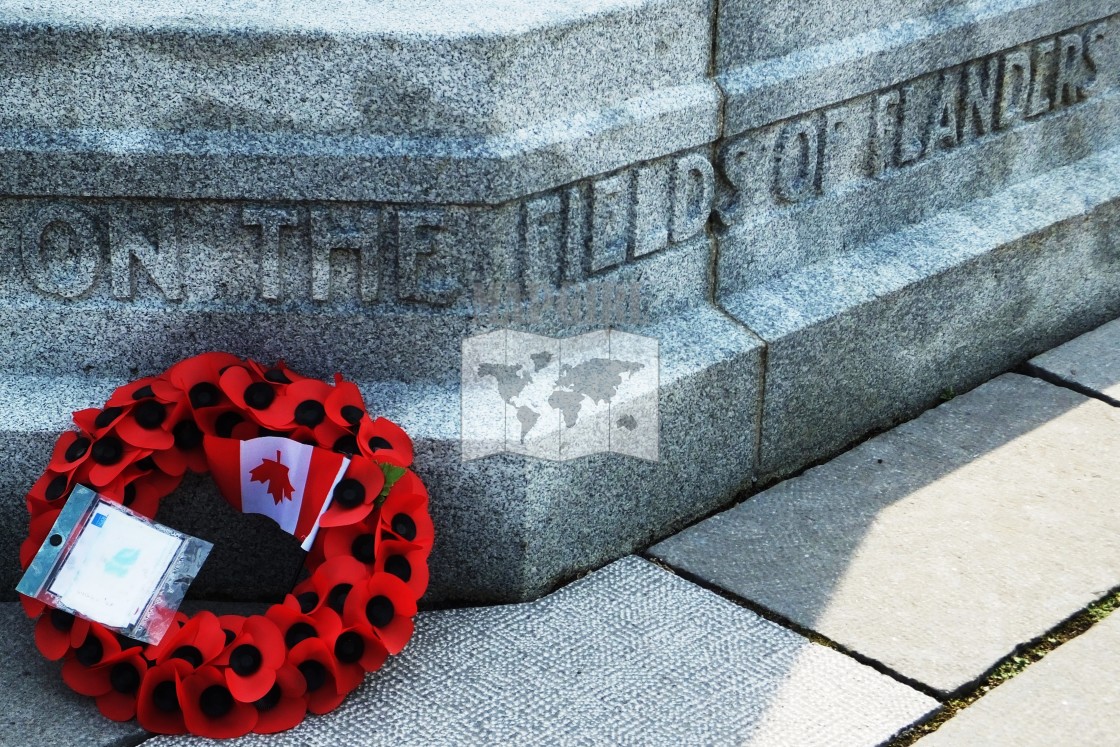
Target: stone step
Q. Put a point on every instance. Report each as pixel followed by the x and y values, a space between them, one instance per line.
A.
pixel 436 102
pixel 938 547
pixel 1091 362
pixel 1067 698
pixel 628 655
pixel 509 526
pixel 862 339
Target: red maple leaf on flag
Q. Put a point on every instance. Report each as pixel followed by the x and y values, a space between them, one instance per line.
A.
pixel 274 474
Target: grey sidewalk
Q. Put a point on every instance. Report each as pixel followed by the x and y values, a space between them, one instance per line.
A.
pixel 929 553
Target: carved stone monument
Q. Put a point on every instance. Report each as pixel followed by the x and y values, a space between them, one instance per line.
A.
pixel 826 215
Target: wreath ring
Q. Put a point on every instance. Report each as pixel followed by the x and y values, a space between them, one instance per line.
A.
pixel 224 676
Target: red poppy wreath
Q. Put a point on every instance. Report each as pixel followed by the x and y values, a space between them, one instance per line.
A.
pixel 224 676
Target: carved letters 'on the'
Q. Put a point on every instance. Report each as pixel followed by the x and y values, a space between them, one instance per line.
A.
pixel 870 136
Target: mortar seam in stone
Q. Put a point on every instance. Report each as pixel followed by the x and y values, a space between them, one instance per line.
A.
pixel 808 634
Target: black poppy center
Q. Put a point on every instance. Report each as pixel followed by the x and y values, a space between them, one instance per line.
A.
pixel 226 422
pixel 349 647
pixel 129 494
pixel 78 449
pixel 107 416
pixel 336 599
pixel 277 376
pixel 188 654
pixel 143 392
pixel 62 620
pixel 404 526
pixel 204 394
pixel 56 488
pixel 216 701
pixel 351 414
pixel 345 445
pixel 187 435
pixel 259 395
pixel 349 493
pixel 301 631
pixel 314 673
pixel 90 652
pixel 362 547
pixel 229 634
pixel 108 450
pixel 270 699
pixel 149 414
pixel 165 697
pixel 147 464
pixel 245 660
pixel 310 413
pixel 379 611
pixel 377 442
pixel 399 566
pixel 308 601
pixel 124 678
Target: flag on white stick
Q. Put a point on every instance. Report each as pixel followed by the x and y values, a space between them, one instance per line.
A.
pixel 289 482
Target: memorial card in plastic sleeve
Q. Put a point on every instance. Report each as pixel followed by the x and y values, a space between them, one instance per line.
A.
pixel 106 563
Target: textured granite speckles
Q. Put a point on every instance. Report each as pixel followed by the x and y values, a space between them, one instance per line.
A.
pixel 938 547
pixel 778 60
pixel 891 326
pixel 542 522
pixel 1091 361
pixel 38 708
pixel 630 655
pixel 1070 697
pixel 464 104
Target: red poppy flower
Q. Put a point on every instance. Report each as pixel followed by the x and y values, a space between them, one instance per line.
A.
pixel 109 455
pixel 197 377
pixel 283 706
pixel 407 561
pixel 56 632
pixel 385 441
pixel 357 650
pixel 47 491
pixel 328 586
pixel 84 670
pixel 257 397
pixel 134 392
pixel 385 605
pixel 296 626
pixel 225 421
pixel 405 514
pixel 70 450
pixel 211 710
pixel 359 541
pixel 96 421
pixel 354 496
pixel 142 491
pixel 36 535
pixel 326 685
pixel 186 449
pixel 198 641
pixel 159 707
pixel 253 657
pixel 123 673
pixel 344 404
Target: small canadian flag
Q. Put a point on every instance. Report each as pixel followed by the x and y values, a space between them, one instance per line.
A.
pixel 289 482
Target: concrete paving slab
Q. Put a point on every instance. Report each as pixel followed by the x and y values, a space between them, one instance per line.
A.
pixel 629 655
pixel 939 546
pixel 1070 697
pixel 1091 361
pixel 37 707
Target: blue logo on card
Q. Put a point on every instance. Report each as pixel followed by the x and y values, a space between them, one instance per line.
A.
pixel 99 520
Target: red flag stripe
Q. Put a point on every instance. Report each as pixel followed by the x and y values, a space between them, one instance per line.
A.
pixel 224 458
pixel 321 472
